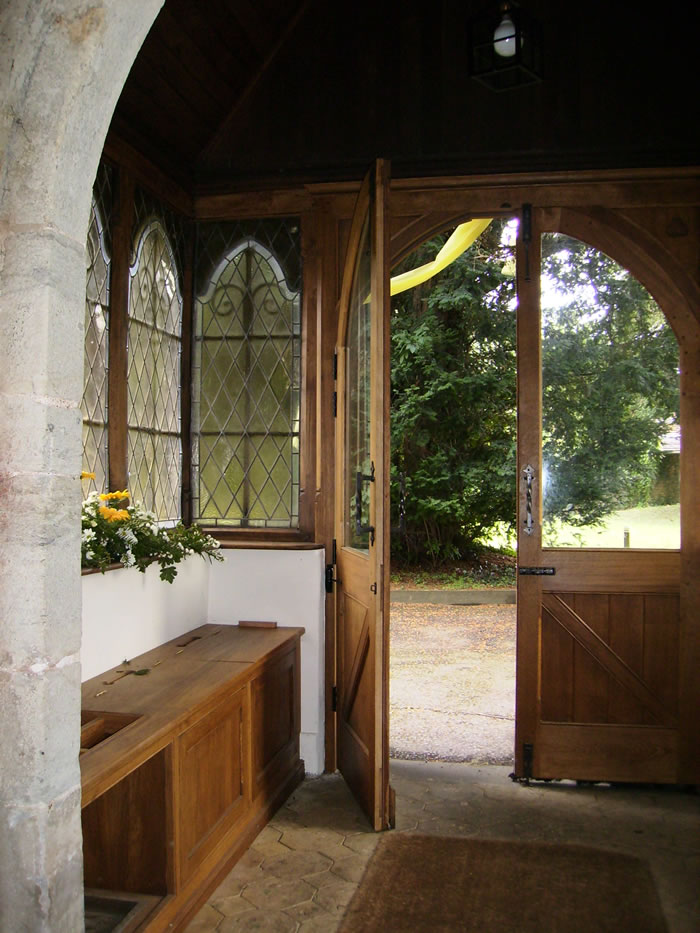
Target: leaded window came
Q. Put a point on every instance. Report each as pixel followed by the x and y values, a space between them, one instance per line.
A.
pixel 154 348
pixel 95 370
pixel 247 379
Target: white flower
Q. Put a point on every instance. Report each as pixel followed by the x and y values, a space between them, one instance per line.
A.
pixel 88 535
pixel 126 535
pixel 128 560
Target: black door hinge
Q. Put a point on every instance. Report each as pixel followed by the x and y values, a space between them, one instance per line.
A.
pixel 335 366
pixel 330 569
pixel 335 404
pixel 528 755
pixel 334 700
pixel 330 579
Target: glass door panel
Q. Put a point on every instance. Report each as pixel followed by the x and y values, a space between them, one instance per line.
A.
pixel 610 405
pixel 358 465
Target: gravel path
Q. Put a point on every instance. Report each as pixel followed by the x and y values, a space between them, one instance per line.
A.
pixel 452 688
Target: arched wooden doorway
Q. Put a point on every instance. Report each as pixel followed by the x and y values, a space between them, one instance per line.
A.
pixel 648 242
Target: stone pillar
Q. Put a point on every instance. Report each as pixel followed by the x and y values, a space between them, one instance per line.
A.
pixel 62 66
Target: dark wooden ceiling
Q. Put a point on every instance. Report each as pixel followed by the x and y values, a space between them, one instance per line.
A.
pixel 236 92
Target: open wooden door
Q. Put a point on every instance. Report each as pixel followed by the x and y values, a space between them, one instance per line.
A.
pixel 362 515
pixel 600 632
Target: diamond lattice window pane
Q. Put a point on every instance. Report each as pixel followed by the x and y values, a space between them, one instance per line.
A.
pixel 154 351
pixel 247 374
pixel 94 400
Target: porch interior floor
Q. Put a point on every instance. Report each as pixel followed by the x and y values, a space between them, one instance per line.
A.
pixel 304 867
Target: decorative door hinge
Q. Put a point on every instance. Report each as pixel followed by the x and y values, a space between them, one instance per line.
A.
pixel 528 522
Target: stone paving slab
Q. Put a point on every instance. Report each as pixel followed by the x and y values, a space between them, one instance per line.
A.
pixel 452 683
pixel 654 823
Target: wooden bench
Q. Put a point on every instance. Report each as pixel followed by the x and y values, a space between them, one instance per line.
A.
pixel 186 752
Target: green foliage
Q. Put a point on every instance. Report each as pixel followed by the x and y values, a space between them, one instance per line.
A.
pixel 453 390
pixel 610 378
pixel 610 384
pixel 131 536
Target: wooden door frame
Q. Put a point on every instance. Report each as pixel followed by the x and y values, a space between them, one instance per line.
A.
pixel 647 219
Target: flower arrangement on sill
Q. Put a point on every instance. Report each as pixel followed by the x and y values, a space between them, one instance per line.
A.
pixel 114 530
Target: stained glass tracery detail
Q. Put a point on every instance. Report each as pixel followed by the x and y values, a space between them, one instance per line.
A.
pixel 247 381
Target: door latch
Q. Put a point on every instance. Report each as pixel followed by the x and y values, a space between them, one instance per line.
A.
pixel 360 479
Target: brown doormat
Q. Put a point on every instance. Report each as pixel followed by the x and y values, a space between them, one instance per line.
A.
pixel 437 883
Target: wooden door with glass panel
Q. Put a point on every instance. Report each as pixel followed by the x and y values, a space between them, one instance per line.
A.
pixel 362 450
pixel 599 624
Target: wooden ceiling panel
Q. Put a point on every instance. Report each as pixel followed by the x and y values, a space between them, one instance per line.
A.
pixel 196 64
pixel 242 91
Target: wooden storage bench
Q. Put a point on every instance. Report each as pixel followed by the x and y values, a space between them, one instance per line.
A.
pixel 186 752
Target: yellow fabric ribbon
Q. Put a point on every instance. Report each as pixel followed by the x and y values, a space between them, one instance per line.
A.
pixel 461 239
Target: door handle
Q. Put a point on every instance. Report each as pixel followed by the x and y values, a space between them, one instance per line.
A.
pixel 360 479
pixel 529 521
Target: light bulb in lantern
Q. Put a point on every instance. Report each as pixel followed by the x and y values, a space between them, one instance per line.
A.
pixel 504 37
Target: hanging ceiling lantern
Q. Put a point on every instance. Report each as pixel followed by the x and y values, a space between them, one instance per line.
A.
pixel 505 49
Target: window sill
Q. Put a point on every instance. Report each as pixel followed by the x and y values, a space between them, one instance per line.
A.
pixel 231 538
pixel 86 571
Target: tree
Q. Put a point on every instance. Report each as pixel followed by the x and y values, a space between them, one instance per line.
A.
pixel 610 384
pixel 610 378
pixel 453 394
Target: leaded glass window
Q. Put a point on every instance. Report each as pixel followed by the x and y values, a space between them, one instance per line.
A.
pixel 95 389
pixel 154 347
pixel 247 376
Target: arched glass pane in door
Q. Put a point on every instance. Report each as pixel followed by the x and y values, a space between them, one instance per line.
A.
pixel 610 405
pixel 358 400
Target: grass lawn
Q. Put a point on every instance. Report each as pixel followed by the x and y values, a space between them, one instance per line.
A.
pixel 656 526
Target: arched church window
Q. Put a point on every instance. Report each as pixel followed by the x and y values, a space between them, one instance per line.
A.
pixel 247 376
pixel 95 389
pixel 153 350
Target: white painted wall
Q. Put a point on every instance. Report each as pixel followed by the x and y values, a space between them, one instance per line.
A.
pixel 285 587
pixel 126 613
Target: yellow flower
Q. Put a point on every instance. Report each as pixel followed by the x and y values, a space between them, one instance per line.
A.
pixel 112 515
pixel 108 496
pixel 85 475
